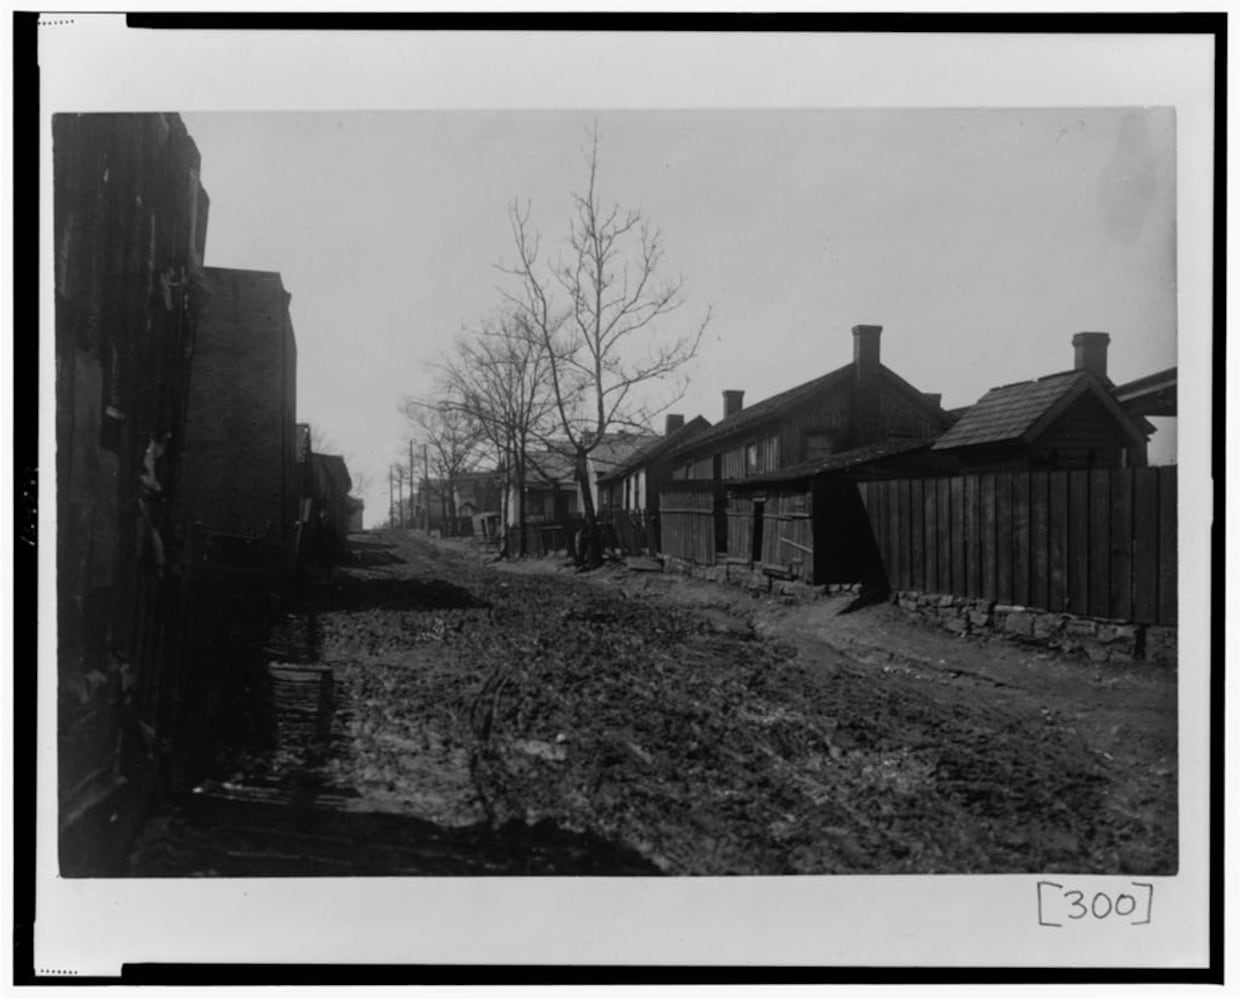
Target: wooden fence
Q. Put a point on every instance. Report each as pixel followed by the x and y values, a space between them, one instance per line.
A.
pixel 687 521
pixel 1097 543
pixel 785 541
pixel 634 533
pixel 543 539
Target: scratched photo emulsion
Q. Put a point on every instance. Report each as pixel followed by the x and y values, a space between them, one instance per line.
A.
pixel 619 493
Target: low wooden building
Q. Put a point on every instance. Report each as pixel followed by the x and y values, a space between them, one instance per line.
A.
pixel 858 404
pixel 1069 420
pixel 808 522
pixel 629 494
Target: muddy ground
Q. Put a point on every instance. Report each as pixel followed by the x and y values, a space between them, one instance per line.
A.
pixel 424 711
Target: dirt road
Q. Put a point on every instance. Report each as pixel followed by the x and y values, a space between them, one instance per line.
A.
pixel 430 714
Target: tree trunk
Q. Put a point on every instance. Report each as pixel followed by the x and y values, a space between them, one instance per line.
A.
pixel 590 551
pixel 520 500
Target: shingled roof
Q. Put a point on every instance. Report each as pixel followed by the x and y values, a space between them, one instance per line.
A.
pixel 1022 410
pixel 838 462
pixel 555 464
pixel 771 407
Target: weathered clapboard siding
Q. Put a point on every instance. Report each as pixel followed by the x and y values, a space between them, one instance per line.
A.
pixel 700 468
pixel 765 458
pixel 740 527
pixel 1084 435
pixel 1098 542
pixel 687 522
pixel 788 534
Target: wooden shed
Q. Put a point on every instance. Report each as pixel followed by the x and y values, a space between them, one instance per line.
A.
pixel 1068 420
pixel 808 522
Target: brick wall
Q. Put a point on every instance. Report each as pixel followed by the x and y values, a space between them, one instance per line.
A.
pixel 240 430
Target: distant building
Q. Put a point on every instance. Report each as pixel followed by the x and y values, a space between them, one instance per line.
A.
pixel 553 494
pixel 356 506
pixel 239 457
pixel 331 507
pixel 1069 420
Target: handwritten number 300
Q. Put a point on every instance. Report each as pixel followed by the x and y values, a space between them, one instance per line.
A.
pixel 1124 905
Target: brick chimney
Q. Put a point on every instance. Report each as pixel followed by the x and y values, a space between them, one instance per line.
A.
pixel 866 350
pixel 1090 353
pixel 673 422
pixel 732 401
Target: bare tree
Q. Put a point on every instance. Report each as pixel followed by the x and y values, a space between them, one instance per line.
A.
pixel 452 438
pixel 595 313
pixel 398 476
pixel 500 377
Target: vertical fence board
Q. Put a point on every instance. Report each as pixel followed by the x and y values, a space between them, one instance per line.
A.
pixel 930 528
pixel 874 510
pixel 1167 546
pixel 1003 538
pixel 1100 542
pixel 986 490
pixel 1020 485
pixel 944 530
pixel 901 487
pixel 894 533
pixel 1120 598
pixel 917 538
pixel 958 535
pixel 1039 517
pixel 1058 541
pixel 1079 542
pixel 1146 545
pixel 969 537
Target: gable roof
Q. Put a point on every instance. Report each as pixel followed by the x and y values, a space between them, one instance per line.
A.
pixel 774 407
pixel 839 462
pixel 660 446
pixel 1023 410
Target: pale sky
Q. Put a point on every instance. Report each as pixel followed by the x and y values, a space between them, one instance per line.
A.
pixel 981 240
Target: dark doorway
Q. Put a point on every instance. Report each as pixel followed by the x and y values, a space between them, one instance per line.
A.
pixel 756 545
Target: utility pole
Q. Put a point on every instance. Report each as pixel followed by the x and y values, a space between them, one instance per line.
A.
pixel 413 522
pixel 400 500
pixel 426 478
pixel 391 512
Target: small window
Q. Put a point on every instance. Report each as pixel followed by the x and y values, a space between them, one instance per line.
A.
pixel 751 459
pixel 819 444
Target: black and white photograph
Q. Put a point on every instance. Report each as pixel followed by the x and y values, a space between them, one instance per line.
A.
pixel 656 504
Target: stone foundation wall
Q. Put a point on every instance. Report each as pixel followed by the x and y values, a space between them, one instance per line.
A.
pixel 742 575
pixel 1099 640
